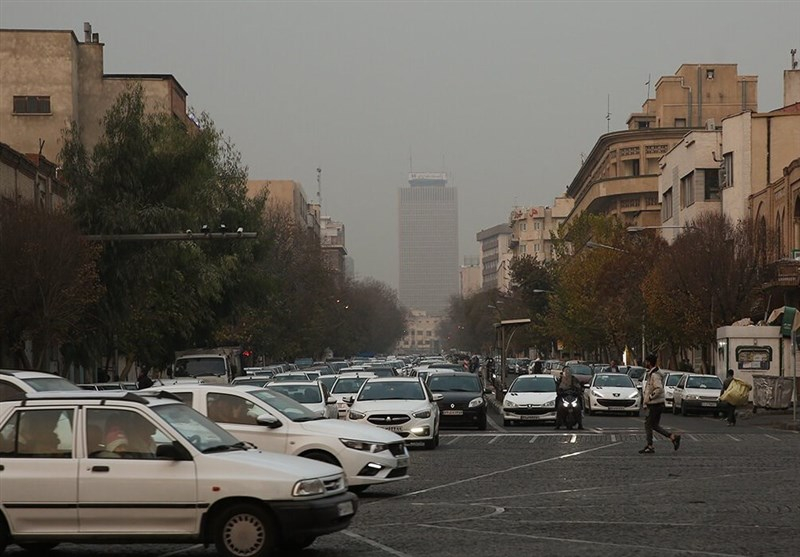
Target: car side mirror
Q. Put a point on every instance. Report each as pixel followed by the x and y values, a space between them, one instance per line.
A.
pixel 348 400
pixel 172 451
pixel 269 421
pixel 437 396
pixel 331 400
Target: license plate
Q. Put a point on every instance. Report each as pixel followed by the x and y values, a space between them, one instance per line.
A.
pixel 345 508
pixel 529 417
pixel 391 427
pixel 708 404
pixel 452 412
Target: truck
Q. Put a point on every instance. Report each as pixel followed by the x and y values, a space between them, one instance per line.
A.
pixel 208 365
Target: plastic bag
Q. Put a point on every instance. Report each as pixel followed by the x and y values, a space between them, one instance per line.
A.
pixel 737 393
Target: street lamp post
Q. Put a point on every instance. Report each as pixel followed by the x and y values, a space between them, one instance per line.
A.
pixel 514 325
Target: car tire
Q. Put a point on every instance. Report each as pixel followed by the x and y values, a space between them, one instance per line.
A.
pixel 244 529
pixel 297 544
pixel 4 539
pixel 37 548
pixel 322 456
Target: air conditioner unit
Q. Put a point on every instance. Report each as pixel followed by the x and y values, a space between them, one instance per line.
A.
pixel 711 125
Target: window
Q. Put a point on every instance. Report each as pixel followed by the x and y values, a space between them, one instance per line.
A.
pixel 38 434
pixel 231 409
pixel 631 167
pixel 9 391
pixel 711 178
pixel 687 190
pixel 114 433
pixel 523 227
pixel 31 105
pixel 726 180
pixel 680 122
pixel 709 74
pixel 643 124
pixel 666 205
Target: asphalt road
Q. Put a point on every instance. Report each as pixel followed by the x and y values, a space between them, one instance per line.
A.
pixel 529 490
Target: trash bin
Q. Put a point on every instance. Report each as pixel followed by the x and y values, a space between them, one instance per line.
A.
pixel 771 391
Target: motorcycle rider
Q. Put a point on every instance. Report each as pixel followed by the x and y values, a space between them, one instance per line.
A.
pixel 569 384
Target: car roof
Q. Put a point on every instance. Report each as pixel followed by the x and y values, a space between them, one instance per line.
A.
pixel 27 374
pixel 294 384
pixel 393 379
pixel 100 396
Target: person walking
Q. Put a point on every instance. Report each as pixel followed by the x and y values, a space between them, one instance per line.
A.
pixel 653 399
pixel 729 409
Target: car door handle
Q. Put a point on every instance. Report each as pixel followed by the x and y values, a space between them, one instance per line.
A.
pixel 100 468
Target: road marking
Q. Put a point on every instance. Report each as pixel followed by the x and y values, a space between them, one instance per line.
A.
pixel 495 438
pixel 534 438
pixel 373 543
pixel 771 436
pixel 613 438
pixel 453 440
pixel 734 438
pixel 692 437
pixel 496 472
pixel 589 542
pixel 572 439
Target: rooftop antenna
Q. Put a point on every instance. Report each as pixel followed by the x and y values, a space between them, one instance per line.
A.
pixel 319 188
pixel 794 60
pixel 608 114
pixel 648 86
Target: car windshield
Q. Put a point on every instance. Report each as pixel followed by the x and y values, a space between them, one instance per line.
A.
pixel 196 428
pixel 382 371
pixel 636 372
pixel 54 383
pixel 461 383
pixel 347 385
pixel 534 384
pixel 285 405
pixel 328 380
pixel 704 382
pixel 392 390
pixel 615 380
pixel 304 394
pixel 290 377
pixel 672 379
pixel 580 369
pixel 194 367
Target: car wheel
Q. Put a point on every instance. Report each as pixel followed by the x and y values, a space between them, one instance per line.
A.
pixel 37 547
pixel 296 544
pixel 322 456
pixel 244 530
pixel 482 424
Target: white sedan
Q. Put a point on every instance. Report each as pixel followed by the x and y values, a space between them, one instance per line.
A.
pixel 402 405
pixel 311 394
pixel 530 398
pixel 612 392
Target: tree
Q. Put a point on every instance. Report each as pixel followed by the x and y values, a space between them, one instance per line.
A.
pixel 48 282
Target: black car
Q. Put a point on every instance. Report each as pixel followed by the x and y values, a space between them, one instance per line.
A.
pixel 464 403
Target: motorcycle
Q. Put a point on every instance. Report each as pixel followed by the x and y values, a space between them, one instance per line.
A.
pixel 568 412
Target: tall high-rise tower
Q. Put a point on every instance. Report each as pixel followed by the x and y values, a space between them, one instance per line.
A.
pixel 428 243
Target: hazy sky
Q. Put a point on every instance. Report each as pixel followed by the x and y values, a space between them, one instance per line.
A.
pixel 503 96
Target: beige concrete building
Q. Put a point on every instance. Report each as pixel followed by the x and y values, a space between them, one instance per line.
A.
pixel 289 195
pixel 50 79
pixel 333 244
pixel 422 334
pixel 620 175
pixel 533 228
pixel 495 257
pixel 470 274
pixel 30 179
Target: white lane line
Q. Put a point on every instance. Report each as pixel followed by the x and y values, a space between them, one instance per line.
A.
pixel 179 551
pixel 534 438
pixel 572 439
pixel 649 548
pixel 375 544
pixel 496 472
pixel 453 440
pixel 495 438
pixel 613 438
pixel 771 436
pixel 692 437
pixel 734 438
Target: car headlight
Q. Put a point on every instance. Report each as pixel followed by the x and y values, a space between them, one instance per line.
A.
pixel 475 402
pixel 364 445
pixel 597 393
pixel 422 414
pixel 508 403
pixel 633 395
pixel 353 415
pixel 692 397
pixel 305 488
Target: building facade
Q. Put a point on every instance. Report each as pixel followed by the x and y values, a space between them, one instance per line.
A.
pixel 470 276
pixel 620 175
pixel 49 79
pixel 533 228
pixel 30 179
pixel 495 256
pixel 289 196
pixel 421 335
pixel 333 244
pixel 428 237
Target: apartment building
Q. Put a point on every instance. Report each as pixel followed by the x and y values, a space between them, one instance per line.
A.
pixel 334 251
pixel 533 228
pixel 30 179
pixel 289 196
pixel 49 79
pixel 495 257
pixel 421 335
pixel 620 175
pixel 470 276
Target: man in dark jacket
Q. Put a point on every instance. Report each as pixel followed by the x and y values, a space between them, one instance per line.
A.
pixel 143 381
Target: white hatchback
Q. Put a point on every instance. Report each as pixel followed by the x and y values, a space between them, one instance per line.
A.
pixel 530 398
pixel 274 422
pixel 403 405
pixel 612 392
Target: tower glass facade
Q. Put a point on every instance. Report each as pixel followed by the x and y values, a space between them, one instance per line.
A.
pixel 429 271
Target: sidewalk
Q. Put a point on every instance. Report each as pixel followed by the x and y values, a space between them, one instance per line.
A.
pixel 777 418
